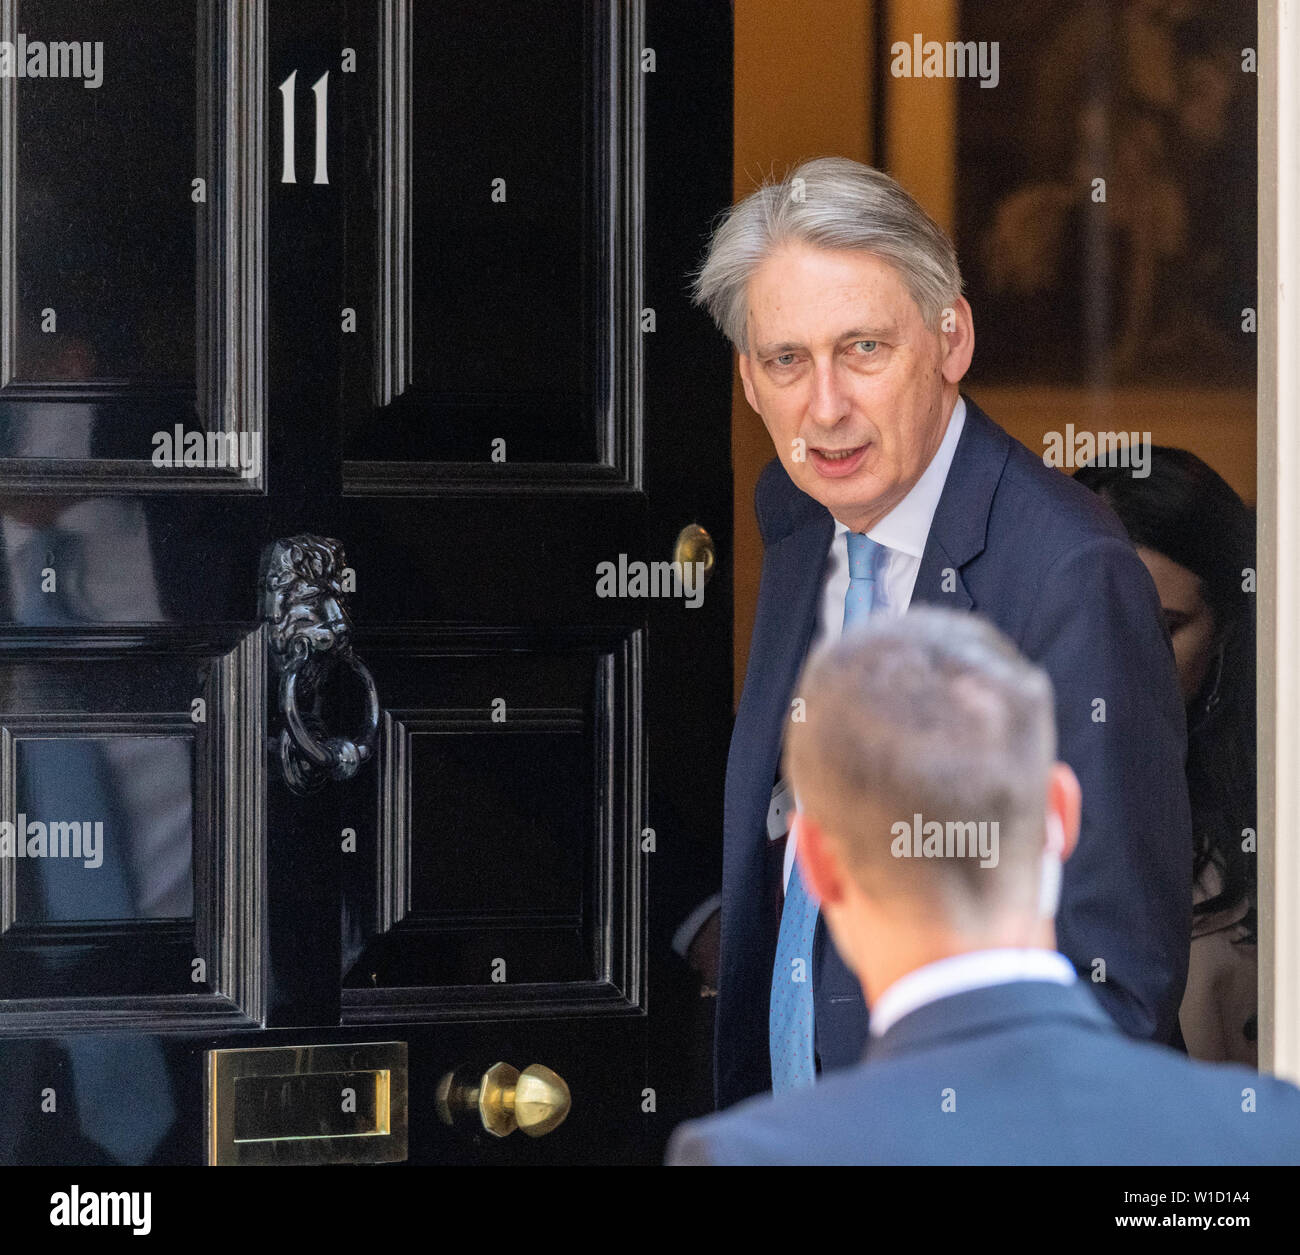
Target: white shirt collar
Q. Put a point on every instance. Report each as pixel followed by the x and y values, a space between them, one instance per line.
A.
pixel 907 526
pixel 961 972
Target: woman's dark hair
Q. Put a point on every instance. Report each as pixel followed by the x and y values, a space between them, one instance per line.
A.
pixel 1188 512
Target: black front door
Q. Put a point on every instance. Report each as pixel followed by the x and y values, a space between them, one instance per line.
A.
pixel 351 410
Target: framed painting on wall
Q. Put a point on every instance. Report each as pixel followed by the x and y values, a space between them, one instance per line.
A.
pixel 1095 164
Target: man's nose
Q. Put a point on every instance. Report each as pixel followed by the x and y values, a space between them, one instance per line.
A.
pixel 829 401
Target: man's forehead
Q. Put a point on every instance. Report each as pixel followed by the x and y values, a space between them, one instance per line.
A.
pixel 832 294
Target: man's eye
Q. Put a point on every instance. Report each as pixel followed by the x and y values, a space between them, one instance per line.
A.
pixel 870 345
pixel 784 359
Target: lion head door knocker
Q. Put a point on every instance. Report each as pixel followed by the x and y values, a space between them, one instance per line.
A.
pixel 302 601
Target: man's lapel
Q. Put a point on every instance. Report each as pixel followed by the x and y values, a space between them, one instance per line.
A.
pixel 960 525
pixel 784 624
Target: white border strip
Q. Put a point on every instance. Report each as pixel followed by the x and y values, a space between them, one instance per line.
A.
pixel 1279 536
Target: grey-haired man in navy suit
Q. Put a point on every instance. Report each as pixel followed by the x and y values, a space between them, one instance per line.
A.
pixel 890 489
pixel 933 821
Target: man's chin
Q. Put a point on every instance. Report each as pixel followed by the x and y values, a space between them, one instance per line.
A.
pixel 851 496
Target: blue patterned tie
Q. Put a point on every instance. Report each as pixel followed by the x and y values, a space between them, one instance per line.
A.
pixel 790 1015
pixel 864 561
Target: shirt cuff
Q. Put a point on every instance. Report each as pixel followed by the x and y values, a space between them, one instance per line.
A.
pixel 692 924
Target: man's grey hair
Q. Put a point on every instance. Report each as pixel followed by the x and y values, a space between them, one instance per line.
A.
pixel 832 203
pixel 935 713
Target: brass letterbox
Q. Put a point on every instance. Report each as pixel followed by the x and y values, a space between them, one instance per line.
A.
pixel 307 1104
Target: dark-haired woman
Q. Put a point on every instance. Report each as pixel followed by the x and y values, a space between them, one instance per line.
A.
pixel 1197 538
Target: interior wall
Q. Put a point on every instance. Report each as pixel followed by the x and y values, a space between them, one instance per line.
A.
pixel 802 89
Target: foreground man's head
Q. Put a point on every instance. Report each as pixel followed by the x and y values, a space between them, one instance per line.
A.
pixel 933 816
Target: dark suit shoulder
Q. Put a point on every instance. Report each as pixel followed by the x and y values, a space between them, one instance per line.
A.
pixel 1033 495
pixel 782 508
pixel 1044 526
pixel 1041 1092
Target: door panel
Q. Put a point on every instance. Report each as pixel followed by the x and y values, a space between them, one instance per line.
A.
pixel 476 392
pixel 131 832
pixel 495 232
pixel 113 223
pixel 131 295
pixel 506 829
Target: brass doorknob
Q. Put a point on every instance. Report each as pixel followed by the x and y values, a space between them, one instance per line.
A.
pixel 694 544
pixel 504 1099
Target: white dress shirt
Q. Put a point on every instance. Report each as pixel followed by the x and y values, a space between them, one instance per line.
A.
pixel 960 972
pixel 904 532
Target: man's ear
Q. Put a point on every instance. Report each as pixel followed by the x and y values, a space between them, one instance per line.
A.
pixel 959 342
pixel 746 364
pixel 819 864
pixel 1065 801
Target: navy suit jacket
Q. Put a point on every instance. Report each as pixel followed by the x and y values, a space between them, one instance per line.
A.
pixel 1049 564
pixel 1028 1072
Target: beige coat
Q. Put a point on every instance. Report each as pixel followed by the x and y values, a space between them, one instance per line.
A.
pixel 1222 983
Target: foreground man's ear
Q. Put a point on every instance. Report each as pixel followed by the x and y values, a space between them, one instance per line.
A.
pixel 819 865
pixel 1065 801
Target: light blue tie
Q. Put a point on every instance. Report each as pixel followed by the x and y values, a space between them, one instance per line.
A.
pixel 865 557
pixel 790 1015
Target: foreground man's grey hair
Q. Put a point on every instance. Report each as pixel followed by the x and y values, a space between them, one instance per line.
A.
pixel 935 713
pixel 832 203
